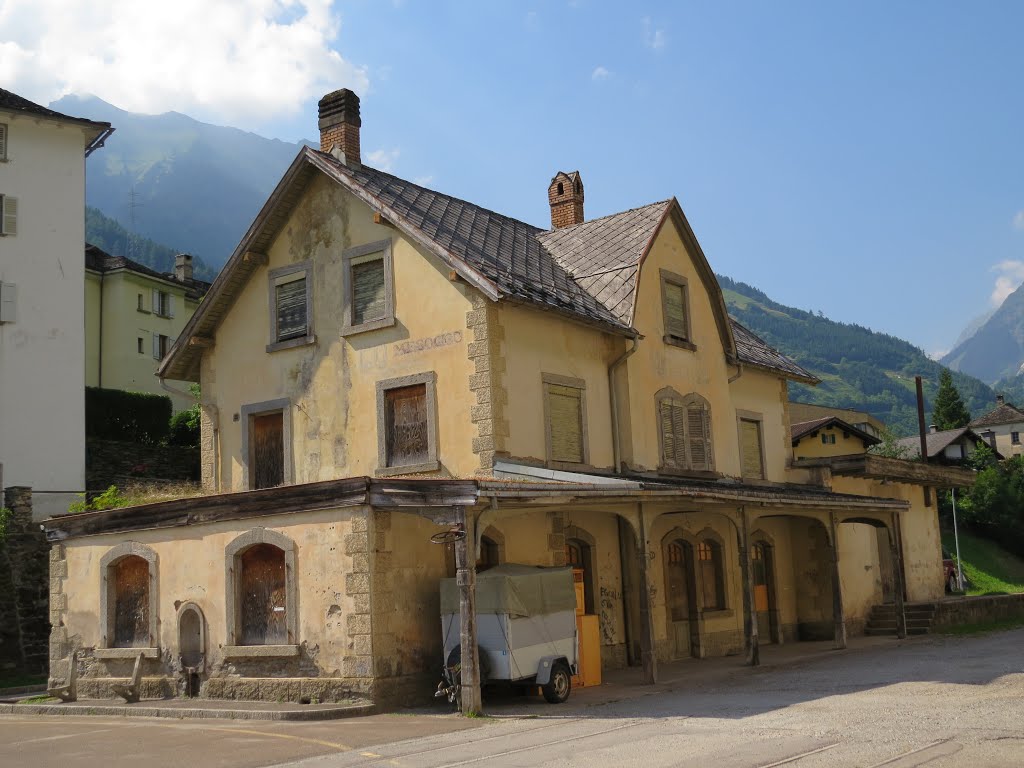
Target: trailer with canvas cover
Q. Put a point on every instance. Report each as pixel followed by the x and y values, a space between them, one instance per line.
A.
pixel 526 627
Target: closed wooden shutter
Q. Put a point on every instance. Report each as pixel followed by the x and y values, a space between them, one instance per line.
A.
pixel 565 411
pixel 698 436
pixel 267 450
pixel 369 297
pixel 408 440
pixel 291 309
pixel 750 446
pixel 3 142
pixel 9 225
pixel 170 305
pixel 131 603
pixel 156 347
pixel 674 297
pixel 673 433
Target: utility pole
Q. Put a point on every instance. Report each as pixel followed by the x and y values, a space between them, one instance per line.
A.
pixel 465 575
pixel 956 540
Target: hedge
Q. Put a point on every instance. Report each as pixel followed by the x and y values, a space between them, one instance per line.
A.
pixel 137 417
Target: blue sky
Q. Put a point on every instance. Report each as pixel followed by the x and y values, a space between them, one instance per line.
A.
pixel 861 159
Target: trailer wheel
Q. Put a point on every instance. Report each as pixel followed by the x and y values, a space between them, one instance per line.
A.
pixel 557 688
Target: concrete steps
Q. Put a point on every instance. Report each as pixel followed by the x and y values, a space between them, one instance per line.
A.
pixel 882 619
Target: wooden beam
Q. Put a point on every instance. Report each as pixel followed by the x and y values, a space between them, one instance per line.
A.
pixel 255 258
pixel 648 657
pixel 749 603
pixel 379 218
pixel 838 614
pixel 203 342
pixel 897 565
pixel 465 575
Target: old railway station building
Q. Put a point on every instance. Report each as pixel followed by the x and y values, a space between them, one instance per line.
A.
pixel 380 361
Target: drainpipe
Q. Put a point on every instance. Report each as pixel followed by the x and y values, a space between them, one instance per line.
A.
pixel 613 396
pixel 739 372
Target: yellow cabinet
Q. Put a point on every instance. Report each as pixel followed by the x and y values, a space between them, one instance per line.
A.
pixel 589 634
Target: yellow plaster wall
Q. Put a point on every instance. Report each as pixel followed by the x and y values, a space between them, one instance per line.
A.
pixel 859 571
pixel 811 447
pixel 539 342
pixel 764 395
pixel 332 384
pixel 192 568
pixel 92 328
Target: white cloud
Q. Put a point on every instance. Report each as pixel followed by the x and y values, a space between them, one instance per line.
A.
pixel 937 354
pixel 423 181
pixel 238 61
pixel 1011 275
pixel 654 37
pixel 599 73
pixel 383 159
pixel 1018 220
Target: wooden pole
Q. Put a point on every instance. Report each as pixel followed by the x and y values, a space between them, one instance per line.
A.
pixel 750 628
pixel 465 574
pixel 923 434
pixel 838 614
pixel 648 658
pixel 897 564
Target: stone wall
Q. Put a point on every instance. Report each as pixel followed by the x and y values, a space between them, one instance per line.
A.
pixel 977 610
pixel 110 462
pixel 24 588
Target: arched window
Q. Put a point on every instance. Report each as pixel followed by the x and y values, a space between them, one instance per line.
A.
pixel 262 599
pixel 709 556
pixel 676 588
pixel 489 555
pixel 579 554
pixel 129 596
pixel 561 189
pixel 264 606
pixel 684 427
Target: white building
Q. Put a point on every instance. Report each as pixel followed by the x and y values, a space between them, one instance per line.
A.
pixel 42 290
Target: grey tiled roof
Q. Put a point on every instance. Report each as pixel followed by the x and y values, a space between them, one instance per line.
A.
pixel 754 350
pixel 506 251
pixel 603 255
pixel 937 442
pixel 98 260
pixel 12 102
pixel 1005 413
pixel 800 429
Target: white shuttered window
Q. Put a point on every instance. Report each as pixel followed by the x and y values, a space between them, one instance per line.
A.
pixel 8 215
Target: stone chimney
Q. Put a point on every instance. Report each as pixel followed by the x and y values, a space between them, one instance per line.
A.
pixel 933 428
pixel 182 267
pixel 565 195
pixel 339 124
pixel 1000 399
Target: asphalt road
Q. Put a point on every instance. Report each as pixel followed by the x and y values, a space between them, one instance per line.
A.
pixel 937 702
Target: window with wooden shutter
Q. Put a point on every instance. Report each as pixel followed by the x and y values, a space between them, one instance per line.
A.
pixel 406 422
pixel 9 219
pixel 3 142
pixel 685 429
pixel 369 295
pixel 675 309
pixel 566 420
pixel 291 309
pixel 750 449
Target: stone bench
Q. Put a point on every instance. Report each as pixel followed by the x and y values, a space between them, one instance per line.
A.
pixel 132 692
pixel 69 691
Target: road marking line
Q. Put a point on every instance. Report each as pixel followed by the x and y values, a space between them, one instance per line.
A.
pixel 802 755
pixel 540 746
pixel 321 742
pixel 52 738
pixel 941 748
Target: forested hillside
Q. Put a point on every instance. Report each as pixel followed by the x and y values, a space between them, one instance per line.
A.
pixel 859 368
pixel 105 233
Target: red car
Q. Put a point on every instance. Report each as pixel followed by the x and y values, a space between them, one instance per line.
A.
pixel 949 573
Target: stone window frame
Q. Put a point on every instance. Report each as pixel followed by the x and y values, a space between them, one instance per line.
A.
pixel 559 380
pixel 670 393
pixel 232 570
pixel 358 254
pixel 111 558
pixel 273 279
pixel 673 278
pixel 741 416
pixel 247 412
pixel 433 462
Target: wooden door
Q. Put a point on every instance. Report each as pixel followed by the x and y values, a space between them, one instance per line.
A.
pixel 764 592
pixel 267 450
pixel 682 599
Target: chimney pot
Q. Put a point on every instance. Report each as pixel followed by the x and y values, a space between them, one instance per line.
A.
pixel 182 267
pixel 1000 399
pixel 565 196
pixel 933 428
pixel 339 124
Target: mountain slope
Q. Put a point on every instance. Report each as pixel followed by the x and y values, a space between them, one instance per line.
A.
pixel 195 185
pixel 859 368
pixel 105 233
pixel 996 349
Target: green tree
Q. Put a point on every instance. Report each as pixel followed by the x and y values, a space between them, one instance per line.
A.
pixel 949 411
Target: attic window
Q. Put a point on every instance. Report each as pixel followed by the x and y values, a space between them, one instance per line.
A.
pixel 675 303
pixel 565 422
pixel 368 293
pixel 291 300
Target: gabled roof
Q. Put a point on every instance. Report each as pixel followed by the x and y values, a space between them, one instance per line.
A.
pixel 753 350
pixel 802 429
pixel 503 257
pixel 98 260
pixel 19 105
pixel 1004 413
pixel 937 442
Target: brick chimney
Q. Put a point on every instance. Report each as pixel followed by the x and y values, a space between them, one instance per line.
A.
pixel 339 124
pixel 565 195
pixel 182 267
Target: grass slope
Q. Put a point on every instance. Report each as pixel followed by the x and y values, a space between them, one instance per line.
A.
pixel 988 568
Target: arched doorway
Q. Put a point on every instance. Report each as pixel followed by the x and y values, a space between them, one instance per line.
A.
pixel 579 554
pixel 762 556
pixel 681 597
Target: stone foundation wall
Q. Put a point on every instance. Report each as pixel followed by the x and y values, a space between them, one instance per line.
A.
pixel 110 462
pixel 978 610
pixel 24 588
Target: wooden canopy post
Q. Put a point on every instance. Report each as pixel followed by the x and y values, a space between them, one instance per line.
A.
pixel 465 564
pixel 750 628
pixel 838 614
pixel 648 657
pixel 897 565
